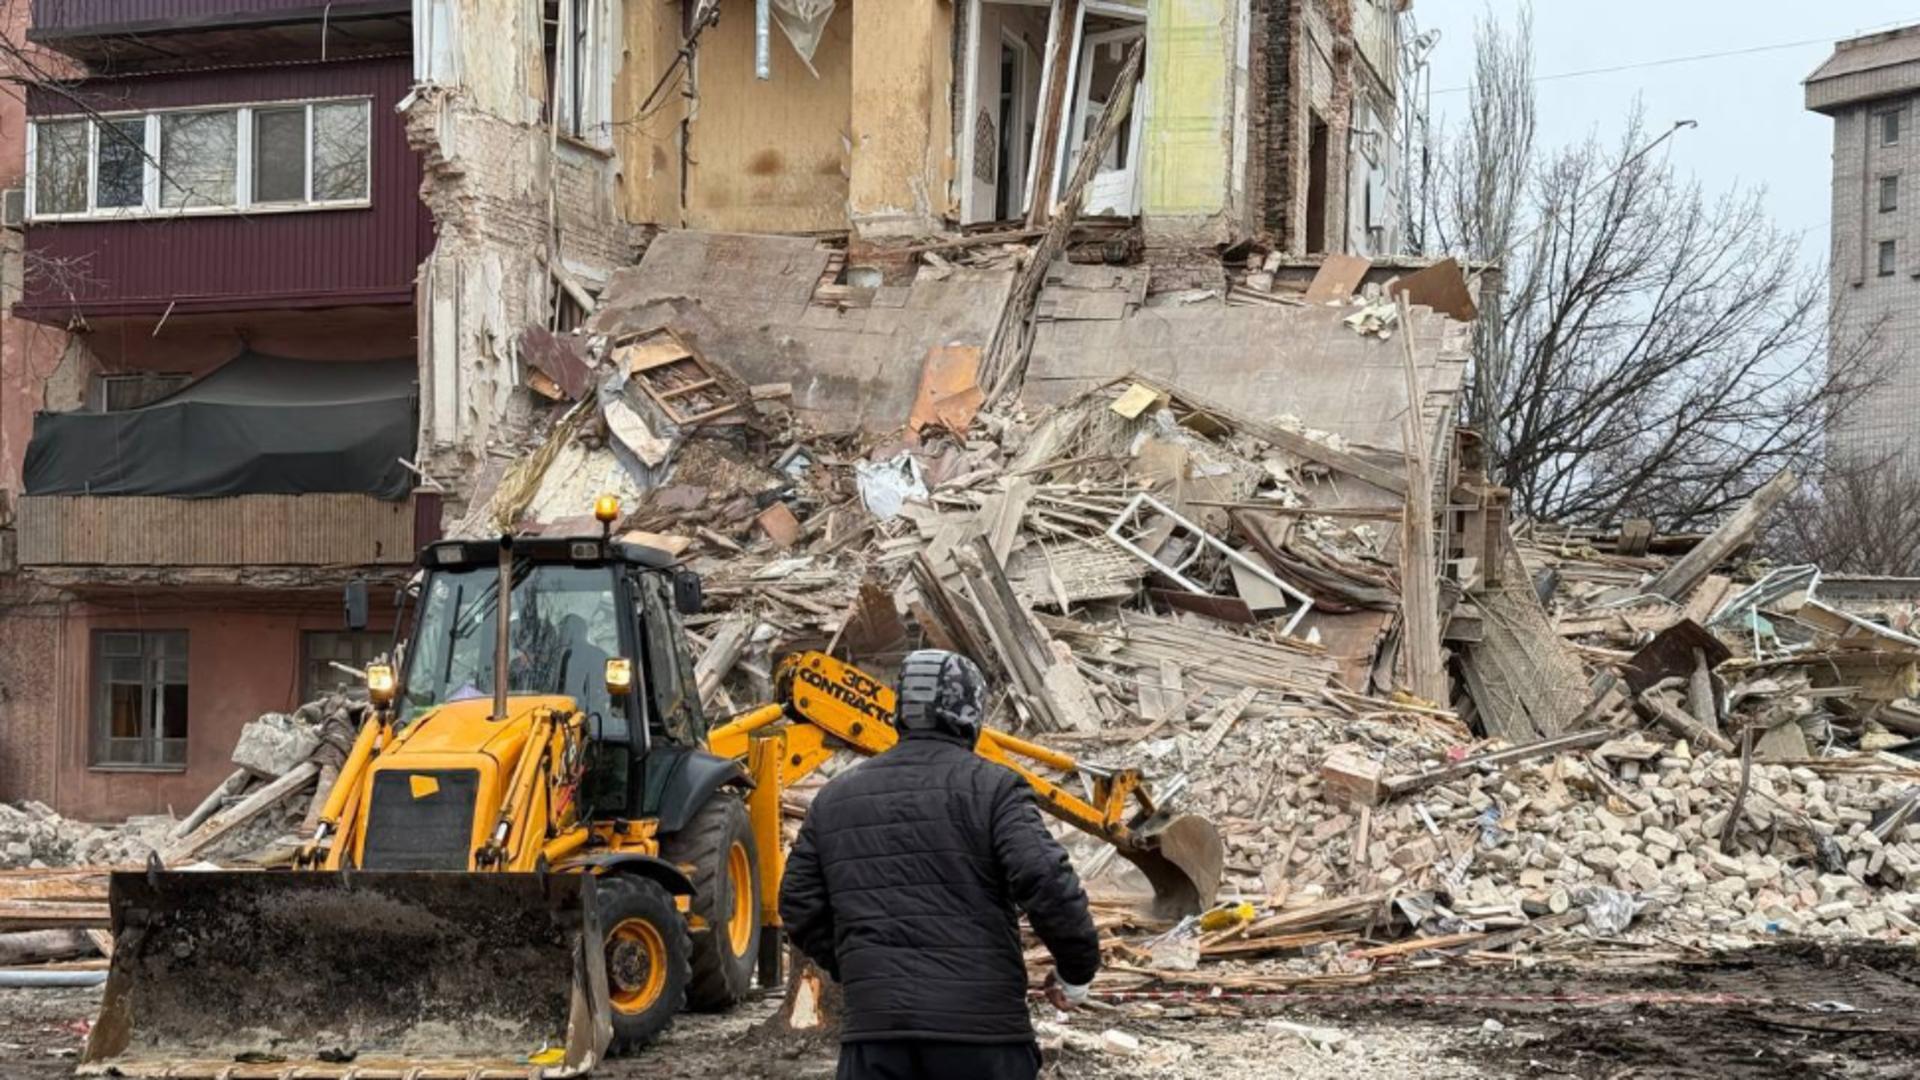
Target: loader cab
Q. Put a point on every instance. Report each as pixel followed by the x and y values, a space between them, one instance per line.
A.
pixel 575 604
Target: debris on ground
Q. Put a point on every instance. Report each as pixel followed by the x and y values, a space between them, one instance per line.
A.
pixel 1629 744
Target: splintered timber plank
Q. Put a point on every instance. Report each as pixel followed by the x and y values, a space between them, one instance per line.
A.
pixel 1524 680
pixel 1224 661
pixel 1223 719
pixel 249 808
pixel 35 915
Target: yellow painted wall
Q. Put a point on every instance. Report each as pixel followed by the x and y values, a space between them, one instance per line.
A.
pixel 1189 131
pixel 647 145
pixel 873 132
pixel 764 156
pixel 903 165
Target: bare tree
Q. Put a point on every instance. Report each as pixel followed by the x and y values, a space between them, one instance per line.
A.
pixel 1481 184
pixel 1649 350
pixel 1860 519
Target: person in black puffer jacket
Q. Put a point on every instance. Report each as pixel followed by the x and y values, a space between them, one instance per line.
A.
pixel 906 887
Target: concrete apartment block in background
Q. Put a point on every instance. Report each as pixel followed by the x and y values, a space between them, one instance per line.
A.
pixel 1868 87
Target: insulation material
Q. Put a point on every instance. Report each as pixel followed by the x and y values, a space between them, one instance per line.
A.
pixel 804 22
pixel 886 486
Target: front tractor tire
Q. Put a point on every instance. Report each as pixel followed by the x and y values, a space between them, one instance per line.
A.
pixel 647 956
pixel 718 845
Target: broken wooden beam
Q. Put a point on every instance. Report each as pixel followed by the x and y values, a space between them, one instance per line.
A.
pixel 249 808
pixel 1581 740
pixel 729 641
pixel 16 915
pixel 1733 534
pixel 1675 719
pixel 1419 577
pixel 234 784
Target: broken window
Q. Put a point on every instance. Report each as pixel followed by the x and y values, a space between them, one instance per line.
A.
pixel 1890 127
pixel 320 650
pixel 1889 194
pixel 140 698
pixel 1888 258
pixel 280 156
pixel 576 46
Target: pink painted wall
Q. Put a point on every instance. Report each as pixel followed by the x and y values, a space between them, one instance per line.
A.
pixel 29 352
pixel 241 661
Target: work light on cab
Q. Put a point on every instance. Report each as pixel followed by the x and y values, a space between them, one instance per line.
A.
pixel 380 684
pixel 619 676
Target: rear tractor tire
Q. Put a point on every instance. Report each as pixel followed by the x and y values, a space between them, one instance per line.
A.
pixel 647 949
pixel 718 845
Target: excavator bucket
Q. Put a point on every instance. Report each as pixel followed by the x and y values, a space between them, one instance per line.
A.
pixel 263 975
pixel 1182 858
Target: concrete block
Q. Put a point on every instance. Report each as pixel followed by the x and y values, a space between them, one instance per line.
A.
pixel 274 745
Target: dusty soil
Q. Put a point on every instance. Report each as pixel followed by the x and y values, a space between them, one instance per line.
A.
pixel 1798 1010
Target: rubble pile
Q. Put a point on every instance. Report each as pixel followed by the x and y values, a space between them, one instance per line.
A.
pixel 1644 739
pixel 1631 839
pixel 1459 737
pixel 251 818
pixel 33 836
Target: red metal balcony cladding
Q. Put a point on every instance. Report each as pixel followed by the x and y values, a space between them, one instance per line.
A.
pixel 319 258
pixel 65 18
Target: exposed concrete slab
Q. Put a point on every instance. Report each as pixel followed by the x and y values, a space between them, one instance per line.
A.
pixel 745 301
pixel 1265 362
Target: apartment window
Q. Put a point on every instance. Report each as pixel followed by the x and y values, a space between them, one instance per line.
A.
pixel 60 166
pixel 321 649
pixel 120 177
pixel 1889 194
pixel 1888 258
pixel 197 165
pixel 140 698
pixel 249 158
pixel 118 393
pixel 1889 127
pixel 577 58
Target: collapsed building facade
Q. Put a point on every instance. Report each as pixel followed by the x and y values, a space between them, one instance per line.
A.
pixel 247 218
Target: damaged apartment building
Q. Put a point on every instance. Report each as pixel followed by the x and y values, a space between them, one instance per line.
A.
pixel 1265 122
pixel 287 279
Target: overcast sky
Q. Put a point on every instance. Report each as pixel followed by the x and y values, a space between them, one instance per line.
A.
pixel 1754 129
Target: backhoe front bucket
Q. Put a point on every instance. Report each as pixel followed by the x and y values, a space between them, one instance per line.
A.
pixel 1182 858
pixel 261 974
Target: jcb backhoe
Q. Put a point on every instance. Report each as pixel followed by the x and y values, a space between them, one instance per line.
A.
pixel 537 851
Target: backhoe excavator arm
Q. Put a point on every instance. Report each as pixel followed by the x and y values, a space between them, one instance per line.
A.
pixel 828 704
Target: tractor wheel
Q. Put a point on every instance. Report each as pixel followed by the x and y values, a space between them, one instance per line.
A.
pixel 718 845
pixel 647 965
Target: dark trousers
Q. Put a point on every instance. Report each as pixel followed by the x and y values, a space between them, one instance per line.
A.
pixel 921 1059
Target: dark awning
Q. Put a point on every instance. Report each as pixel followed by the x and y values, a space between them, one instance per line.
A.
pixel 260 425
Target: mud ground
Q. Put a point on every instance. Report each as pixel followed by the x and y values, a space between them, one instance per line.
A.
pixel 1797 1010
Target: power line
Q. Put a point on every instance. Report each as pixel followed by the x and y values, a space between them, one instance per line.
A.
pixel 1670 61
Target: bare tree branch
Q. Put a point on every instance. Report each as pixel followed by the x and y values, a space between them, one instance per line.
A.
pixel 1650 351
pixel 1860 518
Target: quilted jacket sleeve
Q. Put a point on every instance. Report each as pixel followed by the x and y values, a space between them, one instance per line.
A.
pixel 804 905
pixel 1043 883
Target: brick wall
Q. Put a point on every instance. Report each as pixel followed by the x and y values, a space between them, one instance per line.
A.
pixel 488 181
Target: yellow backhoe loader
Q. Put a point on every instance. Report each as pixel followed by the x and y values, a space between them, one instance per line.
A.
pixel 537 851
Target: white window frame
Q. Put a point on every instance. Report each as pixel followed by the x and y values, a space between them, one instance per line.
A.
pixel 584 77
pixel 150 206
